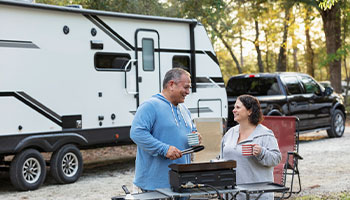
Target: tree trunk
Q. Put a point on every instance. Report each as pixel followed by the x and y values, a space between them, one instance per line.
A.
pixel 282 57
pixel 347 78
pixel 267 60
pixel 332 28
pixel 295 59
pixel 257 47
pixel 241 47
pixel 228 47
pixel 310 55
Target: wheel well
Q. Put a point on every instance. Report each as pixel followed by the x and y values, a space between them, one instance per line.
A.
pixel 36 147
pixel 63 144
pixel 342 108
pixel 50 143
pixel 274 113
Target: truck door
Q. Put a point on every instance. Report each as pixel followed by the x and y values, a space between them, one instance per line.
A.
pixel 297 101
pixel 319 105
pixel 148 58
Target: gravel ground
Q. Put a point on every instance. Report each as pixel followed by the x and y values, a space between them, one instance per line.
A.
pixel 326 164
pixel 324 170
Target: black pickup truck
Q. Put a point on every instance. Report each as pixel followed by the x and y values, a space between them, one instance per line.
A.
pixel 291 94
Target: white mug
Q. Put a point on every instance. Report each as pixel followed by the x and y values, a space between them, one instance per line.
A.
pixel 193 139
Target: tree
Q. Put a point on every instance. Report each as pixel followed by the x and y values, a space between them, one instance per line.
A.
pixel 293 28
pixel 257 46
pixel 282 57
pixel 145 7
pixel 332 28
pixel 326 4
pixel 309 55
pixel 216 18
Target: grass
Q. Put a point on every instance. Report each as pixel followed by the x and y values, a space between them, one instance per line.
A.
pixel 331 196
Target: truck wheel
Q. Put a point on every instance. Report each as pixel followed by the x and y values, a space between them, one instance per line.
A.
pixel 66 164
pixel 337 124
pixel 28 170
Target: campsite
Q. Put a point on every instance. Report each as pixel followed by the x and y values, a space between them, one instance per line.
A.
pixel 97 94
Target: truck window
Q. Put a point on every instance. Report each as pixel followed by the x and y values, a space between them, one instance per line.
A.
pixel 111 61
pixel 256 86
pixel 310 85
pixel 182 62
pixel 292 83
pixel 148 54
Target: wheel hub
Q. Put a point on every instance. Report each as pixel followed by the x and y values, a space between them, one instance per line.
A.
pixel 70 164
pixel 31 170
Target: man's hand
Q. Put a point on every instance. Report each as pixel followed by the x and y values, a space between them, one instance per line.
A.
pixel 199 138
pixel 173 153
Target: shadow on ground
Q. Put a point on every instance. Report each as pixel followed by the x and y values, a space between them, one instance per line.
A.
pixel 91 168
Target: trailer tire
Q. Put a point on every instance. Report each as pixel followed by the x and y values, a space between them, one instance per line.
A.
pixel 66 164
pixel 28 170
pixel 337 124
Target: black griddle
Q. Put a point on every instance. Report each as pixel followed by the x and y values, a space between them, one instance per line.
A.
pixel 184 177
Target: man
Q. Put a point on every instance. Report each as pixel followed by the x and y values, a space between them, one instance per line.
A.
pixel 160 129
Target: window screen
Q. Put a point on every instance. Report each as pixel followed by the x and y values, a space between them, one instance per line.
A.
pixel 182 62
pixel 111 61
pixel 148 54
pixel 292 84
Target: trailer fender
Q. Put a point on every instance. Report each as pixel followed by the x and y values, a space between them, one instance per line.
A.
pixel 50 142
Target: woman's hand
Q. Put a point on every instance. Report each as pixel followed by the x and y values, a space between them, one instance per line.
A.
pixel 256 150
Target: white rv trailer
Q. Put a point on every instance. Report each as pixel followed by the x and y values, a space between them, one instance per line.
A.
pixel 72 78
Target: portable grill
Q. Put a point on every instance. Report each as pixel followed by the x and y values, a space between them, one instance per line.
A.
pixel 184 177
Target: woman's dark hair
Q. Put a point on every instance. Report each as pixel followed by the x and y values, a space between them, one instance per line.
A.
pixel 253 104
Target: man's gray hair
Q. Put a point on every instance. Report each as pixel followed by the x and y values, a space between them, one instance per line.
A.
pixel 174 74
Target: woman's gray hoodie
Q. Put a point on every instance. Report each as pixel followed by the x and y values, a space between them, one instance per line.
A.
pixel 252 169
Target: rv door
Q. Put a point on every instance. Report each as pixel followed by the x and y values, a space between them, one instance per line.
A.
pixel 148 72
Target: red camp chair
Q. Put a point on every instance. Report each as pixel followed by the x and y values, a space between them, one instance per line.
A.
pixel 287 135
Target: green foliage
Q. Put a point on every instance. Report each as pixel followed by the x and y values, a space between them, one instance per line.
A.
pixel 145 7
pixel 341 53
pixel 326 4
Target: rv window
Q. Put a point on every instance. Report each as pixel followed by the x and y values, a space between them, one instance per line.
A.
pixel 182 62
pixel 112 62
pixel 148 54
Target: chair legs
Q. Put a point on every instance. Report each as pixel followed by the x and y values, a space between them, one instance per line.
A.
pixel 292 170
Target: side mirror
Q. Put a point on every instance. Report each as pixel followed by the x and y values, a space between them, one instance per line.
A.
pixel 328 91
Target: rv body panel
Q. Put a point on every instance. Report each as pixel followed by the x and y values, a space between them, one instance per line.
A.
pixel 73 79
pixel 51 64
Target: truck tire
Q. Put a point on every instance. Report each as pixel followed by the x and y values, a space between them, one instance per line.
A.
pixel 28 170
pixel 337 124
pixel 66 164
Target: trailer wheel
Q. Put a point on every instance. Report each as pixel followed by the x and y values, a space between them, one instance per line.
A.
pixel 337 124
pixel 66 164
pixel 28 170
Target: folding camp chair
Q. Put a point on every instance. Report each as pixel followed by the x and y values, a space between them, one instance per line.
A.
pixel 286 130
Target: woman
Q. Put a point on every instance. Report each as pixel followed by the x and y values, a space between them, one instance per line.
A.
pixel 256 165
